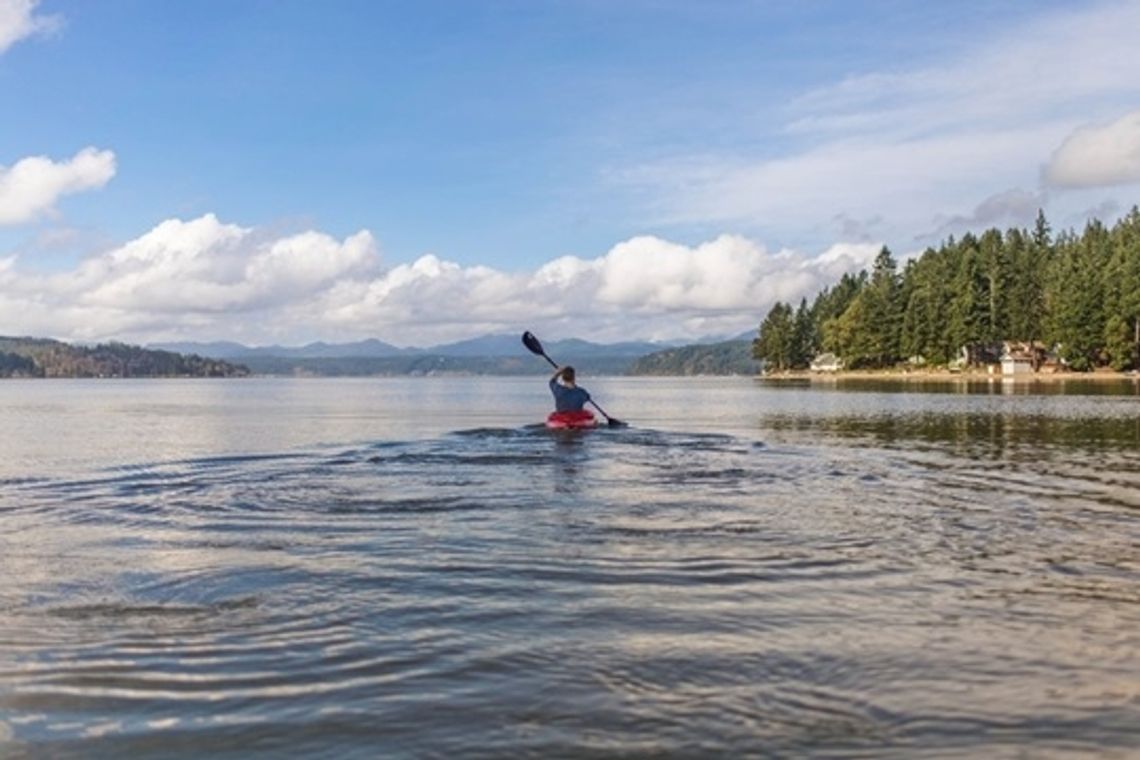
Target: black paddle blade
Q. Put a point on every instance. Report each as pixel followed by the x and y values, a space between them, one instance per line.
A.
pixel 532 344
pixel 616 423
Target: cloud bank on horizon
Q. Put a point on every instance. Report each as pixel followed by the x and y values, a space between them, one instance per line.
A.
pixel 1044 116
pixel 203 277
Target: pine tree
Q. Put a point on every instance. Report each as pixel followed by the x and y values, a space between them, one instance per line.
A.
pixel 1029 262
pixel 1121 284
pixel 1042 232
pixel 774 343
pixel 1077 315
pixel 846 337
pixel 998 275
pixel 804 345
pixel 882 312
pixel 969 303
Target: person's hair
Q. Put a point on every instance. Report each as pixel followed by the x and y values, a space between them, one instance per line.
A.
pixel 568 374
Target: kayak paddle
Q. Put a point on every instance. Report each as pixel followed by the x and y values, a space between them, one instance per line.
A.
pixel 535 347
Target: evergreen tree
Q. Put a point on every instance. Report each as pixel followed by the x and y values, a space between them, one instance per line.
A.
pixel 804 345
pixel 849 337
pixel 774 344
pixel 1076 305
pixel 1042 232
pixel 969 303
pixel 1026 302
pixel 998 276
pixel 879 327
pixel 920 333
pixel 1121 288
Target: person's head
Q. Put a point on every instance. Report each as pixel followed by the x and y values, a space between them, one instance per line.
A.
pixel 568 375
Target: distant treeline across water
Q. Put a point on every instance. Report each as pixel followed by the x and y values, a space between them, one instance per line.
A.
pixel 41 357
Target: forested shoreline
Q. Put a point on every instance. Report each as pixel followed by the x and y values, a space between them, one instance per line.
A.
pixel 43 357
pixel 1074 296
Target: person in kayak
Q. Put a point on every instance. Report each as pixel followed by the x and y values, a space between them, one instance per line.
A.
pixel 569 399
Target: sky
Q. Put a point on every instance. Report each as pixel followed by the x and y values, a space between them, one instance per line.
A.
pixel 284 171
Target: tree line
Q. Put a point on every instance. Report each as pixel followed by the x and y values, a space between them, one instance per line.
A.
pixel 1078 295
pixel 41 357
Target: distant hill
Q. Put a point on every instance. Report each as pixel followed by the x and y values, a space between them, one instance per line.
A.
pixel 483 346
pixel 732 357
pixel 486 345
pixel 429 364
pixel 228 350
pixel 41 357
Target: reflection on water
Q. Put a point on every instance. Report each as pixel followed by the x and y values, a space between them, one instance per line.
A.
pixel 748 571
pixel 981 435
pixel 997 385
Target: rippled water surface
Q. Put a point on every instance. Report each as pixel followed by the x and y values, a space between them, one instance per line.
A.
pixel 412 568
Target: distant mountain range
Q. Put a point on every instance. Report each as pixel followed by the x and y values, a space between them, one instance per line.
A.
pixel 482 347
pixel 229 350
pixel 485 355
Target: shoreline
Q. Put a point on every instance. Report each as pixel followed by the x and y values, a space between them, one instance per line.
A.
pixel 945 376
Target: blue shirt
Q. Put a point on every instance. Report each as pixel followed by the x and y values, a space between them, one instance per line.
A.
pixel 568 399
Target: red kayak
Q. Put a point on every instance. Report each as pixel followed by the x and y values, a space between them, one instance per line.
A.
pixel 583 418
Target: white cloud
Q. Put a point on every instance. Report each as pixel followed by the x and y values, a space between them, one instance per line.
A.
pixel 19 20
pixel 1100 155
pixel 916 147
pixel 206 279
pixel 31 187
pixel 906 182
pixel 204 266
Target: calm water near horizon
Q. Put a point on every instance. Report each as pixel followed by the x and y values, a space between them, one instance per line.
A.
pixel 413 568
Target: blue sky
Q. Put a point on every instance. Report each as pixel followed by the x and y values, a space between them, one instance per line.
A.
pixel 283 170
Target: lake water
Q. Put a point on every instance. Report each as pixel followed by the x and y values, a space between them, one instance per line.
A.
pixel 412 568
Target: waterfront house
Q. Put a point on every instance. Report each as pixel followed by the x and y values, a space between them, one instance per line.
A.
pixel 828 362
pixel 1019 358
pixel 1016 363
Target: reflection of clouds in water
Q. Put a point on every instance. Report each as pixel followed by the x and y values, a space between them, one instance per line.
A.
pixel 612 578
pixel 113 727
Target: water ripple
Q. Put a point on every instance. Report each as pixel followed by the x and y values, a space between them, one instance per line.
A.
pixel 623 592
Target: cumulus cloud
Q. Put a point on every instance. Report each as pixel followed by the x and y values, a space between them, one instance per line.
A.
pixel 32 185
pixel 18 20
pixel 205 266
pixel 207 279
pixel 1098 155
pixel 645 287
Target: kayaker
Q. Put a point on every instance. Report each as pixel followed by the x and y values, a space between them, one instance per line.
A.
pixel 567 394
pixel 568 397
pixel 568 402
